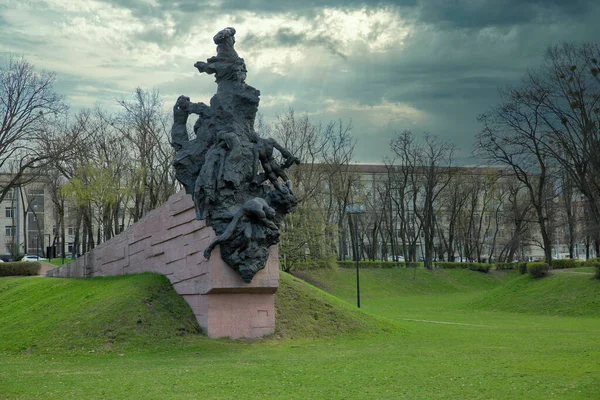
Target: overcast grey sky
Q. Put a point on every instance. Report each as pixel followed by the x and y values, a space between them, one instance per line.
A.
pixel 423 65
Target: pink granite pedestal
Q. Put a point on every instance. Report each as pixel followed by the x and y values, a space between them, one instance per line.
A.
pixel 170 241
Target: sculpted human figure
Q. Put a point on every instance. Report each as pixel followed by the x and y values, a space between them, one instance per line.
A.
pixel 263 153
pixel 190 154
pixel 219 166
pixel 253 211
pixel 226 65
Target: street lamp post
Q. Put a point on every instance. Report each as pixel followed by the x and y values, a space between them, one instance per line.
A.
pixel 355 209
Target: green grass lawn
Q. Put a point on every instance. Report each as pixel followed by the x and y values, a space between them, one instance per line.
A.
pixel 584 269
pixel 434 335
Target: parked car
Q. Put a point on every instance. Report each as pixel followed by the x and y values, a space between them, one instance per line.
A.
pixel 32 258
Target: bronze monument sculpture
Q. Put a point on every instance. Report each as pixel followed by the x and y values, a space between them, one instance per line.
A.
pixel 219 167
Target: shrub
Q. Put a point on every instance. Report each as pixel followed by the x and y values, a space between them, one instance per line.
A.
pixel 20 268
pixel 371 264
pixel 538 269
pixel 594 263
pixel 565 263
pixel 314 264
pixel 590 262
pixel 451 265
pixel 522 267
pixel 473 266
pixel 412 264
pixel 506 266
pixel 480 267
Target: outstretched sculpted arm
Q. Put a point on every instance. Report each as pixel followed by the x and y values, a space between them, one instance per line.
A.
pixel 225 236
pixel 179 133
pixel 289 157
pixel 200 109
pixel 205 67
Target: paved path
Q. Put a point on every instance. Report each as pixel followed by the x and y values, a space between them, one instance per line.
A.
pixel 46 266
pixel 569 271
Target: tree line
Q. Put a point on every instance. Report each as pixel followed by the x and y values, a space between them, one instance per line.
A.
pixel 539 177
pixel 540 171
pixel 101 170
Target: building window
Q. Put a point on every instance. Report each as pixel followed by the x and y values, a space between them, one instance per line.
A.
pixel 9 231
pixel 70 248
pixel 70 231
pixel 9 212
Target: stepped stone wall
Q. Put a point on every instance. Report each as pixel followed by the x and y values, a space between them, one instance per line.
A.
pixel 171 241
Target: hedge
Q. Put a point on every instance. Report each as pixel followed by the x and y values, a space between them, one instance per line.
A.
pixel 480 267
pixel 597 270
pixel 452 265
pixel 505 266
pixel 565 263
pixel 371 264
pixel 538 269
pixel 473 266
pixel 313 264
pixel 590 262
pixel 20 268
pixel 595 263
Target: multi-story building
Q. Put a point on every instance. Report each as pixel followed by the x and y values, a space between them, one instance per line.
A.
pixel 476 216
pixel 481 213
pixel 29 221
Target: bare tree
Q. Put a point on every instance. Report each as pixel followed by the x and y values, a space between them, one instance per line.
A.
pixel 28 106
pixel 513 136
pixel 453 201
pixel 145 128
pixel 567 92
pixel 323 181
pixel 429 164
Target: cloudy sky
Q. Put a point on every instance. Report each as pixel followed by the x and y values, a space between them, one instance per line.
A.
pixel 387 65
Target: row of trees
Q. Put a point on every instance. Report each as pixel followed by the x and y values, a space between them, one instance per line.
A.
pixel 105 170
pixel 541 176
pixel 101 170
pixel 546 133
pixel 121 170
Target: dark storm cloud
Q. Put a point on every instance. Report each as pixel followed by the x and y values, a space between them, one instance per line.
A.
pixel 449 67
pixel 452 75
pixel 188 13
pixel 286 37
pixel 481 13
pixel 304 7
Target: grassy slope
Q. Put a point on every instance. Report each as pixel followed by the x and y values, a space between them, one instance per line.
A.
pixel 559 294
pixel 43 314
pixel 460 352
pixel 379 283
pixel 112 313
pixel 304 311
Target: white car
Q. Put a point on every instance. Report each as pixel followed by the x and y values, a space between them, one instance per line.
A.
pixel 398 258
pixel 32 258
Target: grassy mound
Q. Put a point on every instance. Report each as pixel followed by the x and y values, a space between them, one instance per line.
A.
pixel 98 314
pixel 386 283
pixel 306 312
pixel 559 294
pixel 142 311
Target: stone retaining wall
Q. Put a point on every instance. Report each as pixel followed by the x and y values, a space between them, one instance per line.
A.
pixel 171 241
